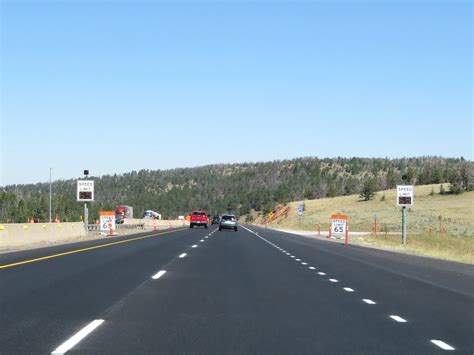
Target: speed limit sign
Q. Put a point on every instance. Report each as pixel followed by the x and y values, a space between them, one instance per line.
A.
pixel 107 221
pixel 339 226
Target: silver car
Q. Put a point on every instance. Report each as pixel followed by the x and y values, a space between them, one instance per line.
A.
pixel 228 221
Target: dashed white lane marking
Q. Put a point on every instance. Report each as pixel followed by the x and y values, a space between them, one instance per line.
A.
pixel 333 280
pixel 292 256
pixel 206 237
pixel 368 301
pixel 312 268
pixel 297 259
pixel 194 246
pixel 348 289
pixel 158 274
pixel 442 344
pixel 202 240
pixel 183 255
pixel 304 263
pixel 398 319
pixel 76 338
pixel 321 273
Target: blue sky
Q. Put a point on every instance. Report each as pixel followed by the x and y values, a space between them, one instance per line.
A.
pixel 115 86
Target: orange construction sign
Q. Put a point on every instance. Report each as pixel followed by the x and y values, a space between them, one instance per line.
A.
pixel 338 216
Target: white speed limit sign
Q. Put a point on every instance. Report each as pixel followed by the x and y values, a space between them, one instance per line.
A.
pixel 338 224
pixel 107 221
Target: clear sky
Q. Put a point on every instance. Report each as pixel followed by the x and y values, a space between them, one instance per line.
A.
pixel 115 86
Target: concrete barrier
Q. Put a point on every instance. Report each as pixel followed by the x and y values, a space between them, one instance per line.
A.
pixel 149 223
pixel 31 235
pixel 13 235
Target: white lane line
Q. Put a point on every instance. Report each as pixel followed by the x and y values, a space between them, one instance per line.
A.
pixel 194 246
pixel 297 259
pixel 348 289
pixel 202 240
pixel 183 255
pixel 206 237
pixel 158 274
pixel 292 256
pixel 288 253
pixel 304 263
pixel 398 319
pixel 368 301
pixel 333 280
pixel 321 273
pixel 312 268
pixel 442 344
pixel 76 338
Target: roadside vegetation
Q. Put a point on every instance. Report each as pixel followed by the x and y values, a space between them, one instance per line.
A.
pixel 247 189
pixel 439 224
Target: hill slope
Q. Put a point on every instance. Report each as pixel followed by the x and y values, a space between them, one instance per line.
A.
pixel 238 187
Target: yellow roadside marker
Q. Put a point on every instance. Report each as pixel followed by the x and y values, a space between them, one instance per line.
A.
pixel 86 249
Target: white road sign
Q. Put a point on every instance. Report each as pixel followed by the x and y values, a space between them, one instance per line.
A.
pixel 85 190
pixel 339 226
pixel 405 195
pixel 107 221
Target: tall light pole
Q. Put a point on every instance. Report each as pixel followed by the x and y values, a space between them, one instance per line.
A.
pixel 50 169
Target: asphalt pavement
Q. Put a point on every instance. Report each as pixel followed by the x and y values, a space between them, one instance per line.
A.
pixel 255 291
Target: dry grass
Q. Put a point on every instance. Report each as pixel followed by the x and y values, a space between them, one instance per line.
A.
pixel 451 214
pixel 441 246
pixel 456 212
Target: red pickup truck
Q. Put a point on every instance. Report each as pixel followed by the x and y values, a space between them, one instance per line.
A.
pixel 199 218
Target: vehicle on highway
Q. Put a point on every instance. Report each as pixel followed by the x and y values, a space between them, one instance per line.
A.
pixel 151 214
pixel 228 221
pixel 216 220
pixel 119 218
pixel 199 218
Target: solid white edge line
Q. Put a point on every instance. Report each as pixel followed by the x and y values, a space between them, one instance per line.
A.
pixel 442 344
pixel 183 255
pixel 368 301
pixel 398 319
pixel 76 338
pixel 348 289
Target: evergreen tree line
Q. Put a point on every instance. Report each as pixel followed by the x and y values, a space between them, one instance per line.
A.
pixel 235 187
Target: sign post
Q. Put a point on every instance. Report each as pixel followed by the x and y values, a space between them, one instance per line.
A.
pixel 405 197
pixel 339 227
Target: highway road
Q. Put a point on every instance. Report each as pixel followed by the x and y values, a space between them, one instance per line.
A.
pixel 255 291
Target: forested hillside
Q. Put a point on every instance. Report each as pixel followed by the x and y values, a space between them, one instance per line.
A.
pixel 237 187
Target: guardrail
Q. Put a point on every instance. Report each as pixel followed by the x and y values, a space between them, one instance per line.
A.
pixel 95 227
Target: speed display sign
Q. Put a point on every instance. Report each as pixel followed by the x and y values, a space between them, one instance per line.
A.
pixel 85 190
pixel 405 195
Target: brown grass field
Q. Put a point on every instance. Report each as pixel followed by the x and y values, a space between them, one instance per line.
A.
pixel 440 226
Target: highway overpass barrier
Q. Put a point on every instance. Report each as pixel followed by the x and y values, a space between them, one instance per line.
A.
pixel 14 235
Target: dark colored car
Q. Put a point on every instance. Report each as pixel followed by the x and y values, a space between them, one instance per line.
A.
pixel 119 218
pixel 215 220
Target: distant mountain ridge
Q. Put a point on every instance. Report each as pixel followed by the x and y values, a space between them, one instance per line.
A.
pixel 237 187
